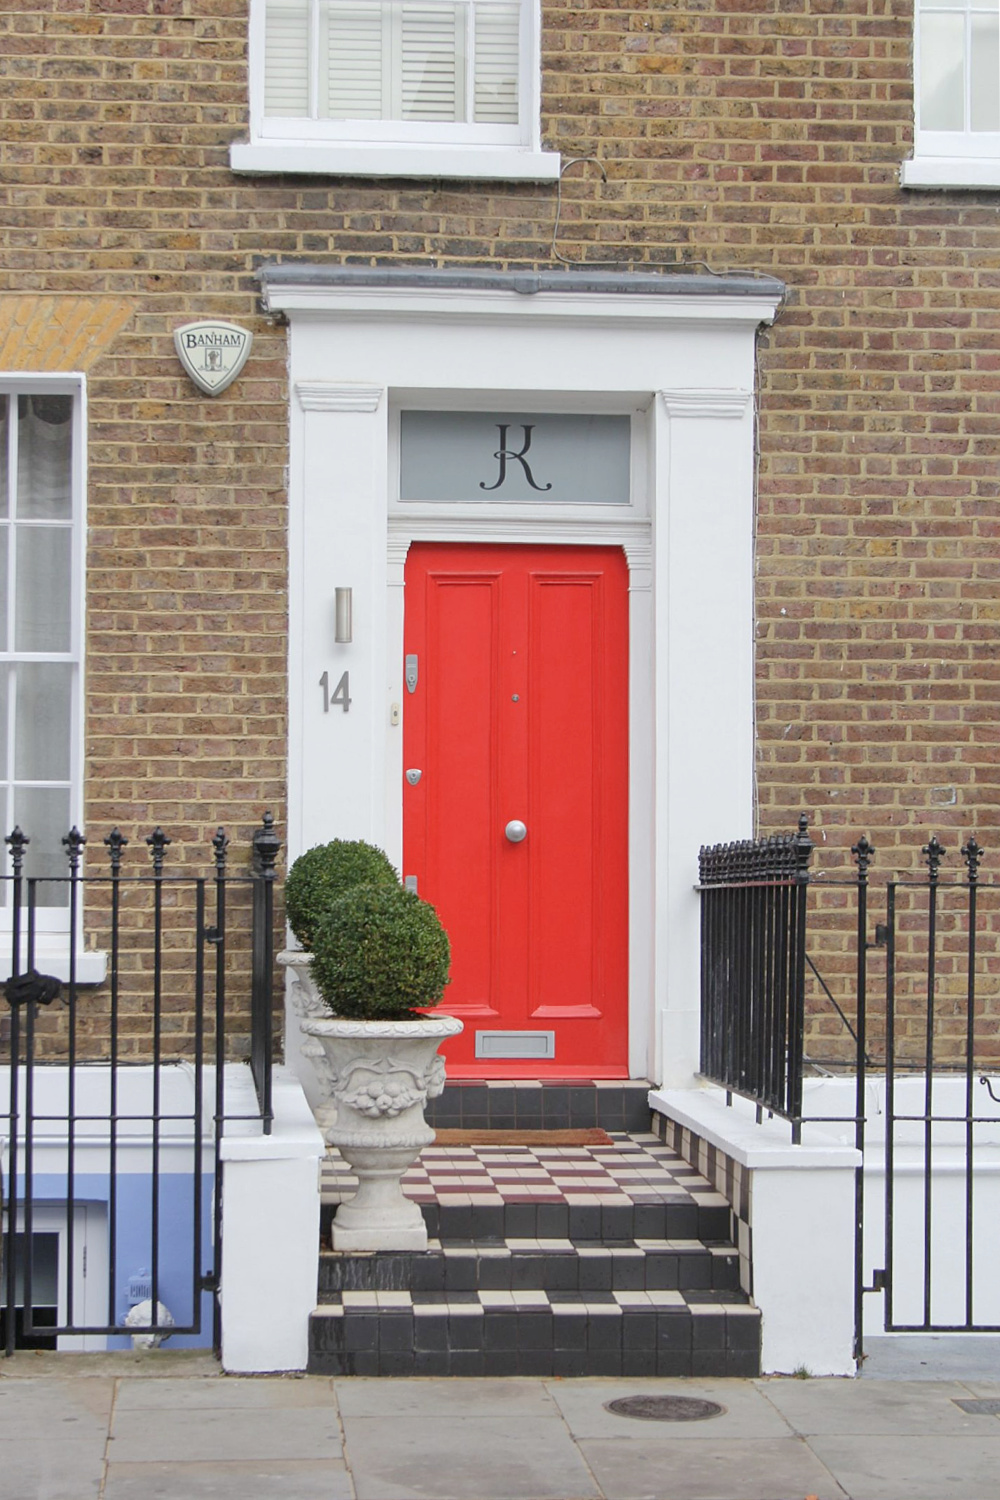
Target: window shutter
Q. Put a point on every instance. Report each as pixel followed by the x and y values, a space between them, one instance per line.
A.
pixel 393 60
pixel 497 64
pixel 354 49
pixel 431 63
pixel 286 58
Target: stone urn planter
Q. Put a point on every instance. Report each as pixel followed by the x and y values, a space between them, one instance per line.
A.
pixel 383 1073
pixel 306 1004
pixel 377 959
pixel 378 1075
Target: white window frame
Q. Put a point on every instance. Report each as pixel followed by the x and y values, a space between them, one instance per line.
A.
pixel 948 158
pixel 399 148
pixel 52 923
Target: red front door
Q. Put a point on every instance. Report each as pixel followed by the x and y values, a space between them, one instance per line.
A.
pixel 519 716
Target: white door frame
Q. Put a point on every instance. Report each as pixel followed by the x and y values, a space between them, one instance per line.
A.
pixel 685 354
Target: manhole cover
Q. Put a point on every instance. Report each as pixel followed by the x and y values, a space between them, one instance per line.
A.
pixel 665 1408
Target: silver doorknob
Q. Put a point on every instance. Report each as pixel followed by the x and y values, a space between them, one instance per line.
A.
pixel 516 831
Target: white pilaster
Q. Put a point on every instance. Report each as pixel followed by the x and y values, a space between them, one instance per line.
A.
pixel 703 571
pixel 337 540
pixel 270 1201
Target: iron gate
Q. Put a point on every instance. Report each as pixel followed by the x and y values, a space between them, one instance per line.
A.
pixel 117 1102
pixel 787 971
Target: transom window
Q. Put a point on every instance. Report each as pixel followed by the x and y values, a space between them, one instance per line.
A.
pixel 957 94
pixel 514 458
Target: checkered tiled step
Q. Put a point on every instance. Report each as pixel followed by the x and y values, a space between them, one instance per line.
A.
pixel 635 1188
pixel 629 1333
pixel 543 1260
pixel 555 1266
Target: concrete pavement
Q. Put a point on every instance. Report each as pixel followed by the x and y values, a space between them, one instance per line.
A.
pixel 171 1427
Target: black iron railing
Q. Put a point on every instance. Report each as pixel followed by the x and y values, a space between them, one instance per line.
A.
pixel 753 956
pixel 266 845
pixel 102 1075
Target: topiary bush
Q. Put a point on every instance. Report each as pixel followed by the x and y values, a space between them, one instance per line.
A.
pixel 380 954
pixel 321 875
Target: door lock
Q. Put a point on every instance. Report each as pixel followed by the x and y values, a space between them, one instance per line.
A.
pixel 413 776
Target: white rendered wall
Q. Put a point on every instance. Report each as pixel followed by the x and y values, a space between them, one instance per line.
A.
pixel 687 362
pixel 803 1267
pixel 270 1212
pixel 836 1096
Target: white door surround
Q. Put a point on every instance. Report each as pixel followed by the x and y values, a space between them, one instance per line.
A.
pixel 677 353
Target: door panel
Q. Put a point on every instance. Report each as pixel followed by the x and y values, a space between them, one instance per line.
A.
pixel 457 794
pixel 520 712
pixel 564 791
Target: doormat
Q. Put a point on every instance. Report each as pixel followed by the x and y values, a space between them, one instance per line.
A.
pixel 589 1136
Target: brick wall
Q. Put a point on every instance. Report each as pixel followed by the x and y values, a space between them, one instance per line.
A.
pixel 753 134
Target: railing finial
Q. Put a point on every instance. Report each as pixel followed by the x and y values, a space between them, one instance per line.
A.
pixel 802 847
pixel 220 843
pixel 266 846
pixel 972 853
pixel 864 852
pixel 115 843
pixel 73 844
pixel 18 842
pixel 157 842
pixel 935 852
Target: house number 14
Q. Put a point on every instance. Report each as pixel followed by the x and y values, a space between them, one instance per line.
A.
pixel 341 693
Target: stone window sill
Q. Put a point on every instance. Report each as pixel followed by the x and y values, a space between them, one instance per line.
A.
pixel 500 163
pixel 951 172
pixel 52 957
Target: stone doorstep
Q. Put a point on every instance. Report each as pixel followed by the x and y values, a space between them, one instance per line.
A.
pixel 540 1337
pixel 533 1104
